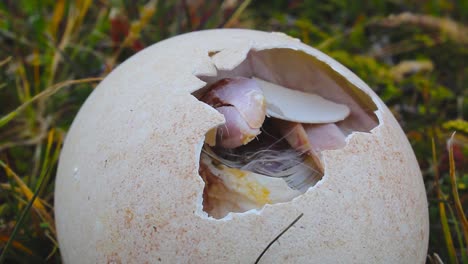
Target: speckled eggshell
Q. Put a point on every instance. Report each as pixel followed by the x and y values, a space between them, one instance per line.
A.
pixel 128 189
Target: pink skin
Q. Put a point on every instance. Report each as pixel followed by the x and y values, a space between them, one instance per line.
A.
pixel 241 102
pixel 311 139
pixel 235 132
pixel 325 136
pixel 294 134
pixel 297 137
pixel 242 93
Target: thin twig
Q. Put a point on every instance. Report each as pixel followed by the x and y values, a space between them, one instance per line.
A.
pixel 278 236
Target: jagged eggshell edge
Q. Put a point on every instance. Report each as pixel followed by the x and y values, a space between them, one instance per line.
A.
pixel 128 190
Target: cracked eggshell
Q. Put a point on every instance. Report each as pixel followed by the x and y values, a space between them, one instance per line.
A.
pixel 128 189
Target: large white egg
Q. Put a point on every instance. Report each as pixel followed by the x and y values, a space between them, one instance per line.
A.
pixel 128 188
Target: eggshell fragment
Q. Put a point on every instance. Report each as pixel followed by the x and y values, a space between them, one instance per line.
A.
pixel 296 106
pixel 250 189
pixel 128 188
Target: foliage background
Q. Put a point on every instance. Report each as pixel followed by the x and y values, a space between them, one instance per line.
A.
pixel 54 52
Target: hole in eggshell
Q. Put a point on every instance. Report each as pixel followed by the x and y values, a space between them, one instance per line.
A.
pixel 282 108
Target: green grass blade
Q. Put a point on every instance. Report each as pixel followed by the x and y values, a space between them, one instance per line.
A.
pixel 443 213
pixel 7 118
pixel 456 197
pixel 48 92
pixel 19 221
pixel 458 232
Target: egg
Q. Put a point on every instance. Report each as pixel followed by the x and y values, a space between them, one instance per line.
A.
pixel 136 182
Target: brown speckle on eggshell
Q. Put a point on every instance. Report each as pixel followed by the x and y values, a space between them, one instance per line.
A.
pixel 135 145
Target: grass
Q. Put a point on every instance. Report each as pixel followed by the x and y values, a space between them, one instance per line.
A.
pixel 53 53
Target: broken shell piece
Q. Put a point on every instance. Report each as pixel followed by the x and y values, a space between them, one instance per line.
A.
pixel 292 105
pixel 235 190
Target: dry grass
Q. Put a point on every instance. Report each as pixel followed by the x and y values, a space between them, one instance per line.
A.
pixel 53 53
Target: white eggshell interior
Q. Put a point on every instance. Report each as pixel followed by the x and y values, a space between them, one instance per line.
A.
pixel 128 189
pixel 296 106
